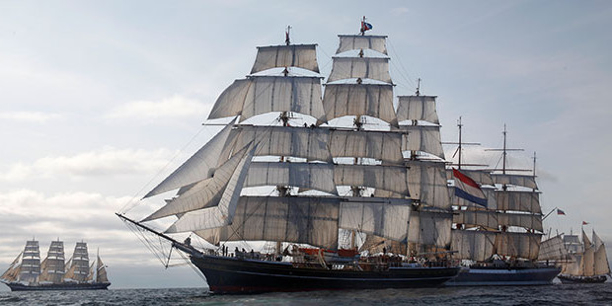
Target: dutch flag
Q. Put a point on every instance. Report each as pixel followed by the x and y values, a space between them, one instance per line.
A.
pixel 466 188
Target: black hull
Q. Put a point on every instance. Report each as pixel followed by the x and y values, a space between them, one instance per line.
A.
pixel 232 275
pixel 582 279
pixel 50 287
pixel 505 276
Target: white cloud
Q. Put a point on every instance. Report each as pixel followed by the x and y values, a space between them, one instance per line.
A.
pixel 173 107
pixel 101 163
pixel 31 117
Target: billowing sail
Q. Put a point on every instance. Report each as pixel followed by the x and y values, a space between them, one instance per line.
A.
pixel 374 100
pixel 198 167
pixel 520 245
pixel 430 228
pixel 473 245
pixel 417 108
pixel 377 216
pixel 101 276
pixel 514 179
pixel 223 213
pixel 553 249
pixel 309 143
pixel 54 267
pixel 30 262
pixel 385 146
pixel 302 56
pixel 356 42
pixel 527 201
pixel 391 178
pixel 204 194
pixel 375 68
pixel 424 138
pixel 317 176
pixel 265 94
pixel 311 220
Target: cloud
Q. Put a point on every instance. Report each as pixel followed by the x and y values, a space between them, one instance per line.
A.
pixel 29 117
pixel 169 108
pixel 400 11
pixel 106 162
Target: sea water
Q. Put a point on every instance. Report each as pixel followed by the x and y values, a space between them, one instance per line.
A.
pixel 557 294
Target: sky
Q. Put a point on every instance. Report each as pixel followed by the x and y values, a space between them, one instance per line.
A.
pixel 98 98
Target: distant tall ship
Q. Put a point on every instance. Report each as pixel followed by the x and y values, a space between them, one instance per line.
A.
pixel 589 261
pixel 28 273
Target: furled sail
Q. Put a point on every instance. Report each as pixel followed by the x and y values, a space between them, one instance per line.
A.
pixel 311 220
pixel 379 145
pixel 424 138
pixel 267 94
pixel 375 68
pixel 317 176
pixel 473 245
pixel 374 100
pixel 204 194
pixel 223 213
pixel 198 167
pixel 302 56
pixel 515 179
pixel 553 249
pixel 417 108
pixel 356 42
pixel 391 178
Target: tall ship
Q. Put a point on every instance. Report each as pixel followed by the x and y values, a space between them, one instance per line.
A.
pixel 28 273
pixel 497 225
pixel 588 260
pixel 311 176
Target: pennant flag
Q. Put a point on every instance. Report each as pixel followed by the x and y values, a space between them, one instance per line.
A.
pixel 585 223
pixel 560 212
pixel 468 189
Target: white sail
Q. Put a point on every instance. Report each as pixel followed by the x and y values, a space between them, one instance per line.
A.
pixel 101 276
pixel 223 213
pixel 600 258
pixel 473 245
pixel 527 201
pixel 356 42
pixel 198 167
pixel 417 108
pixel 375 68
pixel 204 194
pixel 30 262
pixel 430 228
pixel 80 262
pixel 317 176
pixel 374 100
pixel 520 245
pixel 377 216
pixel 479 176
pixel 309 143
pixel 424 138
pixel 391 178
pixel 231 100
pixel 427 183
pixel 475 218
pixel 385 146
pixel 302 56
pixel 54 268
pixel 553 249
pixel 311 220
pixel 267 94
pixel 514 179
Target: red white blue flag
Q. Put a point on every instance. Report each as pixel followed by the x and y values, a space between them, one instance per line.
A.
pixel 467 188
pixel 365 26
